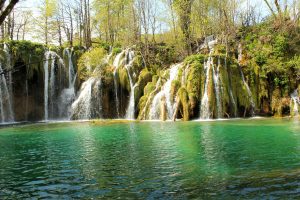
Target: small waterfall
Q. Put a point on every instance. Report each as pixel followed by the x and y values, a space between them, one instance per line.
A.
pixel 46 82
pixel 67 95
pixel 71 70
pixel 245 82
pixel 6 111
pixel 204 108
pixel 231 94
pixel 6 94
pixel 26 104
pixel 89 103
pixel 50 96
pixel 165 92
pixel 131 105
pixel 52 86
pixel 296 101
pixel 9 67
pixel 217 85
pixel 82 105
pixel 116 64
pixel 205 112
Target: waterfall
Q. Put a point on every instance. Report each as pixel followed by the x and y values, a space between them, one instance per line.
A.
pixel 89 103
pixel 116 64
pixel 8 66
pixel 204 107
pixel 46 82
pixel 6 112
pixel 1 101
pixel 165 92
pixel 50 85
pixel 82 105
pixel 71 70
pixel 6 94
pixel 205 112
pixel 131 105
pixel 231 93
pixel 296 101
pixel 216 77
pixel 26 104
pixel 244 81
pixel 67 95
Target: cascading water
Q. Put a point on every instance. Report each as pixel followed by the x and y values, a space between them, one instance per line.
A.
pixel 240 50
pixel 82 105
pixel 68 53
pixel 89 103
pixel 165 92
pixel 6 112
pixel 9 67
pixel 204 107
pixel 217 85
pixel 131 105
pixel 205 112
pixel 296 101
pixel 50 85
pixel 67 96
pixel 46 84
pixel 231 94
pixel 116 64
pixel 26 106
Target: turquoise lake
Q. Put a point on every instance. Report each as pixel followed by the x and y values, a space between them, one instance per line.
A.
pixel 255 158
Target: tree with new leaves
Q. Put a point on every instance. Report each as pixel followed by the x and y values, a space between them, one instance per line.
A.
pixel 184 10
pixel 46 22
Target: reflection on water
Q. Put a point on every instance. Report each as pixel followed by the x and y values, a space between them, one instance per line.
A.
pixel 227 159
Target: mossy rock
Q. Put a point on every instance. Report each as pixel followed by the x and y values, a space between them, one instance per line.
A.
pixel 30 53
pixel 124 79
pixel 175 85
pixel 144 78
pixel 276 103
pixel 184 102
pixel 194 80
pixel 195 59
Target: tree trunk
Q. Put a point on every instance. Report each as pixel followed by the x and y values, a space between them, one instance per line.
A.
pixel 7 10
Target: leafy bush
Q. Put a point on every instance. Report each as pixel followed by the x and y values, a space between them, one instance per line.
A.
pixel 89 61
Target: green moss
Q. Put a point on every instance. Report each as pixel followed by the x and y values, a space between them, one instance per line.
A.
pixel 116 50
pixel 194 80
pixel 184 101
pixel 175 85
pixel 195 59
pixel 90 61
pixel 144 78
pixel 124 79
pixel 30 53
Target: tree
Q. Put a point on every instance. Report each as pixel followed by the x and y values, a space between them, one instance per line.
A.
pixel 184 9
pixel 5 12
pixel 46 23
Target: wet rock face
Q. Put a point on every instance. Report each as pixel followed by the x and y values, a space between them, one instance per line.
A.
pixel 28 96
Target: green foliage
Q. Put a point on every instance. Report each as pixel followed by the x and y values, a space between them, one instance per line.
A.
pixel 30 53
pixel 116 50
pixel 90 61
pixel 280 45
pixel 197 59
pixel 184 100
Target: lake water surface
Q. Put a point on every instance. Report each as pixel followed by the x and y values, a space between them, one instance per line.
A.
pixel 151 160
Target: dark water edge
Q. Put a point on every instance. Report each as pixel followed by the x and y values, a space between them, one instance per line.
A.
pixel 114 121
